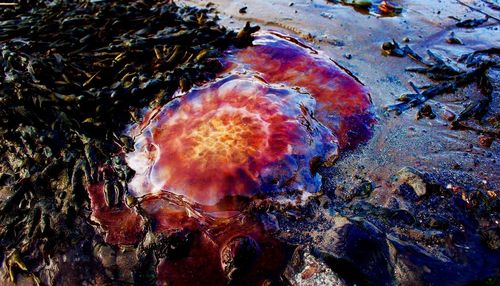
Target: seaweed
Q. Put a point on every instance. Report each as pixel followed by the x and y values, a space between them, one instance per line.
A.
pixel 450 78
pixel 73 75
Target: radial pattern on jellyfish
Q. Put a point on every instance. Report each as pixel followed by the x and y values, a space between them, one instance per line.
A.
pixel 277 110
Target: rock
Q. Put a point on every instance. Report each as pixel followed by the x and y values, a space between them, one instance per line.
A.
pixel 491 238
pixel 413 178
pixel 390 8
pixel 356 250
pixel 306 269
pixel 404 271
pixel 269 222
pixel 425 111
pixel 486 140
pixel 448 115
pixel 363 190
pixel 105 254
pixel 126 260
pixel 438 222
pixel 238 255
pixel 452 39
pixel 358 3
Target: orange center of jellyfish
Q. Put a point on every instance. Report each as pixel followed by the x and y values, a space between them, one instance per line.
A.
pixel 227 138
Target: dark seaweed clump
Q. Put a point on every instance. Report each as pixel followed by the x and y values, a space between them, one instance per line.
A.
pixel 480 68
pixel 73 75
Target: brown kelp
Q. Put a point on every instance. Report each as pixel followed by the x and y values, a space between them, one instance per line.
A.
pixel 73 75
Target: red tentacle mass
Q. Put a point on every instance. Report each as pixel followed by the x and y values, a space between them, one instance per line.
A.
pixel 277 112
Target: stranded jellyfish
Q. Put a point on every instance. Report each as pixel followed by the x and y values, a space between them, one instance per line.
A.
pixel 278 110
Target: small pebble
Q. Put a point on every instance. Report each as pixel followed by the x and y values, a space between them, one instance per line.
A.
pixel 448 115
pixel 486 141
pixel 453 40
pixel 426 111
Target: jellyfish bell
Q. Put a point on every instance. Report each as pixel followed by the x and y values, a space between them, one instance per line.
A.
pixel 235 137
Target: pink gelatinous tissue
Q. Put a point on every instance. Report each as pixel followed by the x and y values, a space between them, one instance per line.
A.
pixel 343 103
pixel 278 109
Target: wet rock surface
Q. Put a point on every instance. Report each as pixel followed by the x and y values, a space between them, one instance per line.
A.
pixel 412 178
pixel 443 237
pixel 306 269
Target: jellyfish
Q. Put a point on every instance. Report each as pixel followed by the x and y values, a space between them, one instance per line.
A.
pixel 278 110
